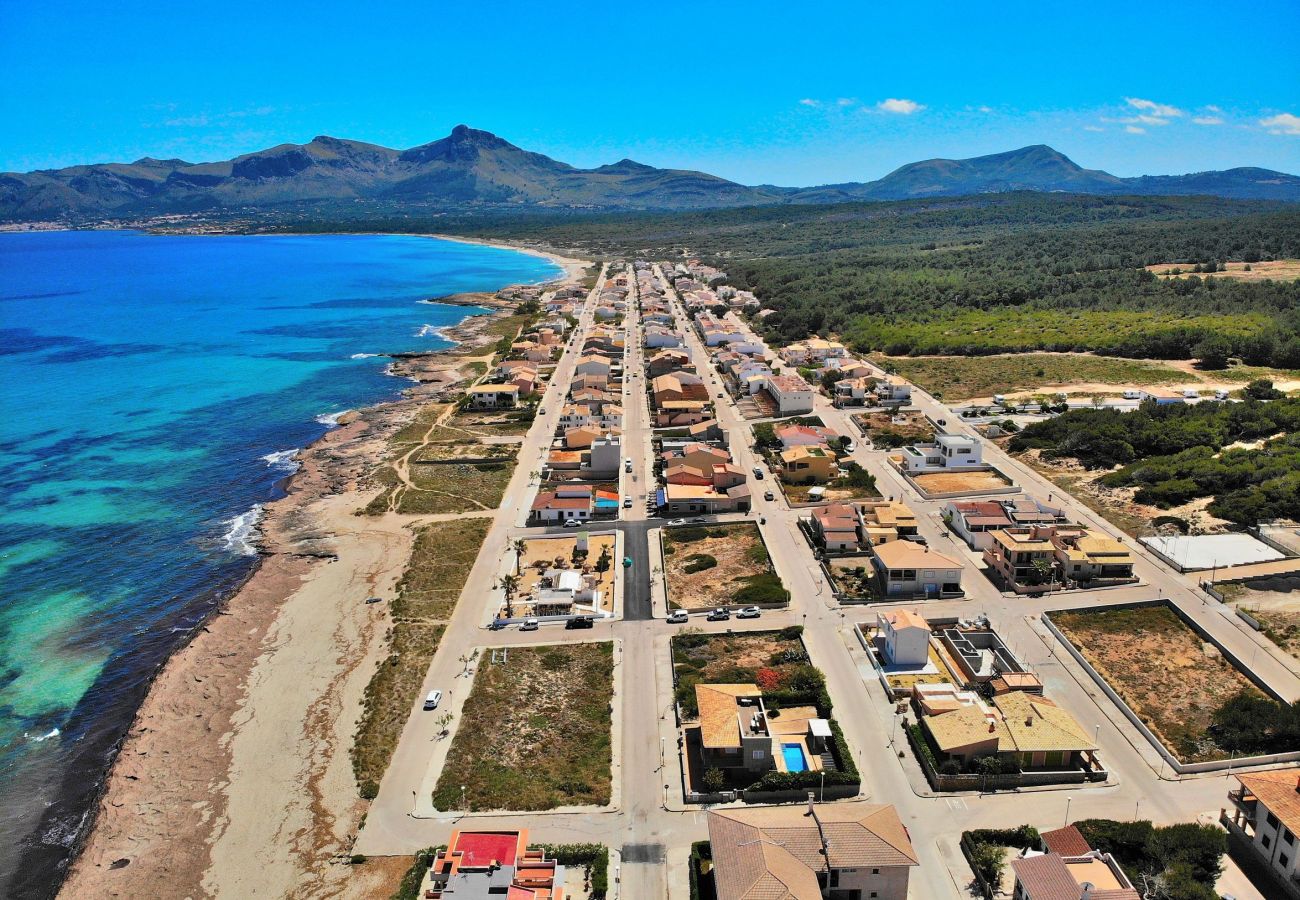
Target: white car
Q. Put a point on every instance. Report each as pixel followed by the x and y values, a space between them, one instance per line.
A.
pixel 677 522
pixel 678 616
pixel 749 612
pixel 432 701
pixel 529 625
pixel 572 523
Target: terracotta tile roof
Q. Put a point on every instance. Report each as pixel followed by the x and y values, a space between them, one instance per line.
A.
pixel 1037 724
pixel 903 618
pixel 911 555
pixel 1045 877
pixel 774 853
pixel 1279 791
pixel 719 725
pixel 1067 841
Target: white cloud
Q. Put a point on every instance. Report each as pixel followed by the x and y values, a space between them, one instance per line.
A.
pixel 1213 109
pixel 1156 109
pixel 846 101
pixel 1147 120
pixel 1282 123
pixel 899 106
pixel 1093 128
pixel 1207 120
pixel 809 101
pixel 1133 129
pixel 986 109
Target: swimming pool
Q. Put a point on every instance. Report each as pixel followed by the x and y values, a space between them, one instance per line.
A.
pixel 794 758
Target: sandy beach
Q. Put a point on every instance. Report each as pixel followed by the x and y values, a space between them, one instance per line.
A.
pixel 234 779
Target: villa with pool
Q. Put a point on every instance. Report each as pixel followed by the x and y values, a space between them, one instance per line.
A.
pixel 738 732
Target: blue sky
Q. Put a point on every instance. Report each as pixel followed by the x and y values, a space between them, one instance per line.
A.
pixel 786 93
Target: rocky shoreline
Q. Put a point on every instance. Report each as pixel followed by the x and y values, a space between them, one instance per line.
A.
pixel 234 778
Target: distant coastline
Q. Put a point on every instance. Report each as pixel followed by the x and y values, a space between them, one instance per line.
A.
pixel 310 543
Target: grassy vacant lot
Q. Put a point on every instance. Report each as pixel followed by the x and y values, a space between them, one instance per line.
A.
pixel 912 427
pixel 734 659
pixel 535 732
pixel 1160 668
pixel 964 377
pixel 1277 610
pixel 718 565
pixel 1276 269
pixel 426 596
pixel 443 488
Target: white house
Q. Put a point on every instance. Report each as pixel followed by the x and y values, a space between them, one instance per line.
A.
pixel 792 394
pixel 948 452
pixel 606 452
pixel 907 637
pixel 656 336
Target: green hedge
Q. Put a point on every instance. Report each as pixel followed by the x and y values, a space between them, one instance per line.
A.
pixel 1026 836
pixel 593 856
pixel 701 886
pixel 409 887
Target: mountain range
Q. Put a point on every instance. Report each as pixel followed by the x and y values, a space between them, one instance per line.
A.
pixel 476 169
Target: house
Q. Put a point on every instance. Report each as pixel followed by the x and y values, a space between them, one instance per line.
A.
pixel 701 456
pixel 559 590
pixel 977 656
pixel 581 437
pixel 808 465
pixel 673 413
pixel 478 865
pixel 688 499
pixel 658 336
pixel 1024 559
pixel 838 527
pixel 1027 729
pixel 733 727
pixel 791 394
pixel 893 392
pixel 592 364
pixel 908 569
pixel 1069 870
pixel 803 435
pixel 494 396
pixel 567 501
pixel 708 430
pixel 975 520
pixel 853 391
pixel 887 520
pixel 907 637
pixel 854 850
pixel 666 361
pixel 1266 814
pixel 949 452
pixel 605 456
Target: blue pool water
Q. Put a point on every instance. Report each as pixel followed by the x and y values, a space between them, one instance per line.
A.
pixel 154 388
pixel 794 759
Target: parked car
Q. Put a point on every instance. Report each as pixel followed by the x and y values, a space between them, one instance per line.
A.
pixel 496 625
pixel 627 465
pixel 719 615
pixel 678 616
pixel 432 701
pixel 749 612
pixel 768 495
pixel 758 473
pixel 677 522
pixel 627 502
pixel 942 423
pixel 572 523
pixel 580 622
pixel 530 624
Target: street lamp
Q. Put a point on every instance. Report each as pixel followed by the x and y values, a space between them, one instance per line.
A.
pixel 466 805
pixel 1067 810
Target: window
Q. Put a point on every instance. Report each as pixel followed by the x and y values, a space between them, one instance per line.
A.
pixel 758 754
pixel 1272 820
pixel 875 871
pixel 1265 841
pixel 1284 861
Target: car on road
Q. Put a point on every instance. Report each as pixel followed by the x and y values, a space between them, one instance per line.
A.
pixel 627 502
pixel 850 447
pixel 580 622
pixel 627 464
pixel 749 612
pixel 678 616
pixel 719 615
pixel 942 423
pixel 530 624
pixel 768 495
pixel 720 395
pixel 432 701
pixel 572 523
pixel 677 522
pixel 758 473
pixel 374 599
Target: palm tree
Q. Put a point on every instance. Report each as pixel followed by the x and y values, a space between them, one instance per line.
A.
pixel 519 546
pixel 1043 570
pixel 509 584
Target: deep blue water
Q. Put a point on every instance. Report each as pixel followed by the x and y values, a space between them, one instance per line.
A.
pixel 148 384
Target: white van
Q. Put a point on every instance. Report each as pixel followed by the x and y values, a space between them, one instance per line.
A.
pixel 999 400
pixel 432 701
pixel 1221 394
pixel 1133 395
pixel 1191 393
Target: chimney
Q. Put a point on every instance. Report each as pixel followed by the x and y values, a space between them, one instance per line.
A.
pixel 992 727
pixel 1029 721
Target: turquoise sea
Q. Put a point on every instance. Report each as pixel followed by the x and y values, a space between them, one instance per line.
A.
pixel 154 390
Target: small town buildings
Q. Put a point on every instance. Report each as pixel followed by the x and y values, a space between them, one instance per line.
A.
pixel 1027 729
pixel 803 435
pixel 974 521
pixel 559 590
pixel 838 527
pixel 592 364
pixel 805 464
pixel 733 727
pixel 677 413
pixel 581 437
pixel 906 637
pixel 813 350
pixel 1070 870
pixel 1266 813
pixel 687 499
pixel 909 569
pixel 1045 557
pixel 494 396
pixel 666 361
pixel 856 850
pixel 567 501
pixel 949 452
pixel 478 865
pixel 659 336
pixel 887 520
pixel 791 394
pixel 853 390
pixel 977 656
